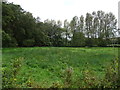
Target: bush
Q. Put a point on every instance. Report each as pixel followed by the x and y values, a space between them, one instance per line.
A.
pixel 89 42
pixel 7 40
pixel 111 77
pixel 68 73
pixel 102 42
pixel 78 39
pixel 28 42
pixel 90 80
pixel 9 74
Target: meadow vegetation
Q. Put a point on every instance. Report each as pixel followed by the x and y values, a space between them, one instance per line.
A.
pixel 44 54
pixel 60 67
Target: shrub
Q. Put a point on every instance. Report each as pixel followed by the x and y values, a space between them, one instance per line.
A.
pixel 78 39
pixel 111 77
pixel 9 74
pixel 90 80
pixel 89 42
pixel 28 42
pixel 68 74
pixel 7 40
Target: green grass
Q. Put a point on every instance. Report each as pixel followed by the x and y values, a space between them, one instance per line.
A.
pixel 44 66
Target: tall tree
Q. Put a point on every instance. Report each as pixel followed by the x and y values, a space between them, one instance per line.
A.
pixel 89 29
pixel 81 24
pixel 66 26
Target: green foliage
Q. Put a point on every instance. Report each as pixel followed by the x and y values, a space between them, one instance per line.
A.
pixel 9 75
pixel 7 40
pixel 118 40
pixel 102 42
pixel 89 42
pixel 78 39
pixel 89 79
pixel 29 42
pixel 95 29
pixel 111 78
pixel 68 72
pixel 59 67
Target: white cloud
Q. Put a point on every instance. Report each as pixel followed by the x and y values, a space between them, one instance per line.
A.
pixel 66 9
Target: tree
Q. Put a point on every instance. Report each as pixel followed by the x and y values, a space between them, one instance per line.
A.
pixel 81 24
pixel 17 23
pixel 67 29
pixel 20 28
pixel 110 25
pixel 40 35
pixel 74 24
pixel 78 39
pixel 89 30
pixel 7 40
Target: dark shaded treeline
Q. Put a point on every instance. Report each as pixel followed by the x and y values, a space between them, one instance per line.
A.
pixel 20 28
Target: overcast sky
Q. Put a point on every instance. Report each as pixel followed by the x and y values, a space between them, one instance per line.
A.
pixel 66 9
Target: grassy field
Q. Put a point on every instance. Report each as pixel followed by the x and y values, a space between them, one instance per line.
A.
pixel 46 67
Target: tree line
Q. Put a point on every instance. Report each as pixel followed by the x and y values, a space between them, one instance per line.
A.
pixel 21 29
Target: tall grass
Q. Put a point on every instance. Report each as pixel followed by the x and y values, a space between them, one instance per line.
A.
pixel 48 67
